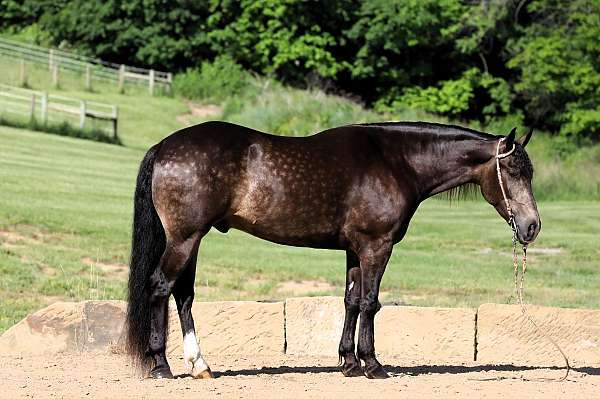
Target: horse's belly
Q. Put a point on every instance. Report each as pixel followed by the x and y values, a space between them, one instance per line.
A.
pixel 298 229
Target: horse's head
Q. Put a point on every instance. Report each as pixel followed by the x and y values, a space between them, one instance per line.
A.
pixel 510 158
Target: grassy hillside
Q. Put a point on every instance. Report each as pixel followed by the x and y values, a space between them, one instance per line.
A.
pixel 143 120
pixel 65 215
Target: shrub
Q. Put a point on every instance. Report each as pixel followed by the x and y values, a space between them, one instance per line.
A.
pixel 292 112
pixel 473 94
pixel 213 81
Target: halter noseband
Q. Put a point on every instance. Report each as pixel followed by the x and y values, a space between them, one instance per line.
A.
pixel 511 217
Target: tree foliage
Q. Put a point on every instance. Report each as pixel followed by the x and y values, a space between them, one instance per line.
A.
pixel 558 64
pixel 285 38
pixel 537 59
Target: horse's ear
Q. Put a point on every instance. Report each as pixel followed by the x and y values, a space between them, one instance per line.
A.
pixel 508 142
pixel 525 139
pixel 510 139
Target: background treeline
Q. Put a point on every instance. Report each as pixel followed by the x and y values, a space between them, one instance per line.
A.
pixel 536 62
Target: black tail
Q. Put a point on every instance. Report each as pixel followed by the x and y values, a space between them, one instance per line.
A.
pixel 147 247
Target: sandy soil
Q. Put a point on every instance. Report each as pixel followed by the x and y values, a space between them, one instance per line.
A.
pixel 111 376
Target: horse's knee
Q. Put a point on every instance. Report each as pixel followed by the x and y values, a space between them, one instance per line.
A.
pixel 369 305
pixel 353 290
pixel 352 303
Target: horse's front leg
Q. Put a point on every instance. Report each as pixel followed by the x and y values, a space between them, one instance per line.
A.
pixel 373 257
pixel 183 291
pixel 351 366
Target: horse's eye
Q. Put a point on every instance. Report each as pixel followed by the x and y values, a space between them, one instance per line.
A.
pixel 514 172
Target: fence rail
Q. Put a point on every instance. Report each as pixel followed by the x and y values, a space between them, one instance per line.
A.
pixel 44 108
pixel 92 68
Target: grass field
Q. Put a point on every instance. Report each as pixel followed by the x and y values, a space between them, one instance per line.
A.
pixel 65 216
pixel 143 119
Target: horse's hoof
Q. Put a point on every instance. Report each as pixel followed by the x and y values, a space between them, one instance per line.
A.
pixel 377 373
pixel 160 372
pixel 352 371
pixel 202 375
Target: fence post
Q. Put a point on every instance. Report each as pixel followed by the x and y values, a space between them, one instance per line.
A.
pixel 169 81
pixel 121 77
pixel 23 73
pixel 44 107
pixel 151 82
pixel 32 107
pixel 82 111
pixel 115 122
pixel 88 77
pixel 55 75
pixel 50 59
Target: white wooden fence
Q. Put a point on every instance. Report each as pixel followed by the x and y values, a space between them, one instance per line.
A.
pixel 91 68
pixel 50 108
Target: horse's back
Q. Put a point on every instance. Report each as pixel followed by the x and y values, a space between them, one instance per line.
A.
pixel 284 189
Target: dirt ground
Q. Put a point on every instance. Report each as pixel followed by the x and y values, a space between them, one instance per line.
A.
pixel 111 376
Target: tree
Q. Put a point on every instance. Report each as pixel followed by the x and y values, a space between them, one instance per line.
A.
pixel 557 56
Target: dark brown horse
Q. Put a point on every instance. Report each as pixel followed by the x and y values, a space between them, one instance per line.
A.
pixel 352 188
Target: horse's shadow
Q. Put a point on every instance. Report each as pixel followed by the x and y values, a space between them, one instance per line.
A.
pixel 393 370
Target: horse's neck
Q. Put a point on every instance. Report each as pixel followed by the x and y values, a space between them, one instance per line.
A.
pixel 438 163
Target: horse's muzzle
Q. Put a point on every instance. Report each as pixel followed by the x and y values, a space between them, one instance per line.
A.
pixel 528 230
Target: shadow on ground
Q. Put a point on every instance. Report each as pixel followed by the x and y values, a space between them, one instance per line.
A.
pixel 394 370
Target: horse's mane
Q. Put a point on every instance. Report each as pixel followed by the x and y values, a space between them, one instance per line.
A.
pixel 466 191
pixel 439 129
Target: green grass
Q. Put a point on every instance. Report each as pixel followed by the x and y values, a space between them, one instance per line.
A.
pixel 572 175
pixel 65 216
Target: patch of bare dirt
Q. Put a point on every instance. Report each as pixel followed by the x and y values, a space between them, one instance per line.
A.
pixel 304 287
pixel 309 287
pixel 545 251
pixel 531 250
pixel 11 239
pixel 14 239
pixel 113 376
pixel 11 236
pixel 44 267
pixel 198 111
pixel 114 269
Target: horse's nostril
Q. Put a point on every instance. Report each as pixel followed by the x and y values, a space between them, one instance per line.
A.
pixel 531 230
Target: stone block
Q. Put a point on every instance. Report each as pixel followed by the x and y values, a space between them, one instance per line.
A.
pixel 505 336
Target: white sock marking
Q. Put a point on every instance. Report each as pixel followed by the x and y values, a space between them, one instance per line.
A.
pixel 191 352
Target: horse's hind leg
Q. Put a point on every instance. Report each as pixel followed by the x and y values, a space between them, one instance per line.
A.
pixel 183 291
pixel 351 366
pixel 175 257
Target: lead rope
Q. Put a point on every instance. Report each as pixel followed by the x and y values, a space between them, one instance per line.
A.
pixel 519 287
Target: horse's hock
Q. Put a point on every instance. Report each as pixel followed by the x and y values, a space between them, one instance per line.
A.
pixel 491 334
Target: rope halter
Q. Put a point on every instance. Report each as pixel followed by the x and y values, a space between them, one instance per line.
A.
pixel 519 287
pixel 499 156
